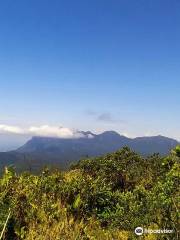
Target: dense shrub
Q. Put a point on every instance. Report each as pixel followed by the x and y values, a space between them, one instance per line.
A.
pixel 99 198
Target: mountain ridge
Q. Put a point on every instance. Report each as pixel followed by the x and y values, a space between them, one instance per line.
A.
pixel 61 152
pixel 97 144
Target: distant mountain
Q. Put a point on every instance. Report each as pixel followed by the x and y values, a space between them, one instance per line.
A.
pixel 62 152
pixel 91 144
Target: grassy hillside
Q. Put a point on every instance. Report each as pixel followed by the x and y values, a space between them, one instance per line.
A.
pixel 99 198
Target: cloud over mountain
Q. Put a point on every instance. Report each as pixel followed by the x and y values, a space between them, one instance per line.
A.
pixel 11 129
pixel 44 130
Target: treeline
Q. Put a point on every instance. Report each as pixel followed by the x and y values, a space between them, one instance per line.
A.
pixel 100 198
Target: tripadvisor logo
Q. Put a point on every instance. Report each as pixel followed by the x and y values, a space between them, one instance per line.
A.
pixel 139 231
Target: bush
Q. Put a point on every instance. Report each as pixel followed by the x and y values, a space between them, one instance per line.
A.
pixel 100 198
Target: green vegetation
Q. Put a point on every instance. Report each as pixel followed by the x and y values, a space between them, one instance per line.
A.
pixel 100 198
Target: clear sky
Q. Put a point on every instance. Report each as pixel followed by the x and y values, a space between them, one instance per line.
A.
pixel 91 64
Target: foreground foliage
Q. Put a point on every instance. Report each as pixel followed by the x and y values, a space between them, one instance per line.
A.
pixel 99 198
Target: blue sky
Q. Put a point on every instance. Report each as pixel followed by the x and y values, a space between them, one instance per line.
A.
pixel 91 64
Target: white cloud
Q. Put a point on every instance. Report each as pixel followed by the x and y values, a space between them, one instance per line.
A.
pixel 52 131
pixel 11 129
pixel 44 130
pixel 90 136
pixel 126 135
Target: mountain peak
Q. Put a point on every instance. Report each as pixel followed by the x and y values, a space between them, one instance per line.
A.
pixel 86 133
pixel 109 133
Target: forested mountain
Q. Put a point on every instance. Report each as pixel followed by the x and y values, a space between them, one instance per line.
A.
pixel 58 152
pixel 91 144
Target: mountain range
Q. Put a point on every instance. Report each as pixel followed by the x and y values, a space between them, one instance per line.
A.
pixel 59 152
